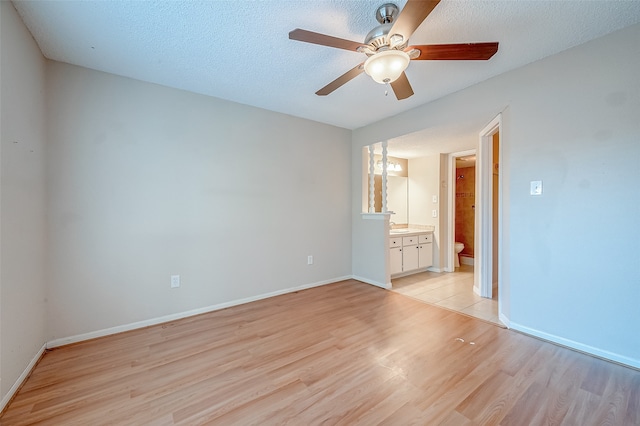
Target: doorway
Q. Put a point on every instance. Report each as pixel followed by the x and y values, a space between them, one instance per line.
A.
pixel 489 207
pixel 453 205
pixel 464 210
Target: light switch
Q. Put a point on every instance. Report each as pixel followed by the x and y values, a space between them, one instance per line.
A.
pixel 434 198
pixel 536 187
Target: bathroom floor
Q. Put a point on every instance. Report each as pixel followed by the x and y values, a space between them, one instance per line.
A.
pixel 450 290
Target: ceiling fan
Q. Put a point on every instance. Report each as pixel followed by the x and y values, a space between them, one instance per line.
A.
pixel 388 50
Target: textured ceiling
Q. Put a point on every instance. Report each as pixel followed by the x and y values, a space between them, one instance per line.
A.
pixel 239 50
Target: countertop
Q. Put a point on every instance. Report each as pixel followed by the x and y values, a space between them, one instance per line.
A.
pixel 406 232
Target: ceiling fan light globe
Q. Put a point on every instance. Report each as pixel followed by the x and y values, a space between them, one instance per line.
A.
pixel 386 66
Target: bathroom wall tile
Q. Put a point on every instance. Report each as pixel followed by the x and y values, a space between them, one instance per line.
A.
pixel 465 208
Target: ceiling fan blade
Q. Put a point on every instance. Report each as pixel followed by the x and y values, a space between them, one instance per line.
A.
pixel 344 78
pixel 323 40
pixel 411 16
pixel 401 87
pixel 455 52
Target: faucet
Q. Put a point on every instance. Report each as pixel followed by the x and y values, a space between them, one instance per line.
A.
pixel 391 224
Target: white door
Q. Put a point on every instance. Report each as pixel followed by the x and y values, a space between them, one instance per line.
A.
pixel 395 256
pixel 410 258
pixel 425 255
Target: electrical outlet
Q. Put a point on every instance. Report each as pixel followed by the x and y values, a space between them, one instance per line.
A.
pixel 309 260
pixel 434 213
pixel 175 281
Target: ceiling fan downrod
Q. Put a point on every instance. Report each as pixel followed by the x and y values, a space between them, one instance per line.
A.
pixel 387 13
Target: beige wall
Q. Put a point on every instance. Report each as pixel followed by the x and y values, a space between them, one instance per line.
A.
pixel 147 181
pixel 137 182
pixel 22 199
pixel 570 120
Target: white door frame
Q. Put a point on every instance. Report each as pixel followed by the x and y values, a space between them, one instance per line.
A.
pixel 482 282
pixel 451 207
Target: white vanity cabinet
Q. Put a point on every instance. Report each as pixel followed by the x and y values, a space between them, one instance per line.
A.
pixel 410 258
pixel 411 252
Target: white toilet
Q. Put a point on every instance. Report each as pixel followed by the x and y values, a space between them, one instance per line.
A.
pixel 458 247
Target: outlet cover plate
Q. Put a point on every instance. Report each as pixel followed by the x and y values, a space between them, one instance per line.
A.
pixel 175 281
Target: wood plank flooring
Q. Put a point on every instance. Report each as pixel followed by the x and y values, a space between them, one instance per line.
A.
pixel 345 353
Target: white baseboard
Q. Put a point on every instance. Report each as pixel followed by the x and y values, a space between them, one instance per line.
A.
pixel 466 260
pixel 21 378
pixel 368 281
pixel 504 319
pixel 634 363
pixel 167 318
pixel 414 271
pixel 621 359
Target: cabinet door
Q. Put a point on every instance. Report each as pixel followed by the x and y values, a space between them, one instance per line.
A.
pixel 410 258
pixel 425 255
pixel 396 259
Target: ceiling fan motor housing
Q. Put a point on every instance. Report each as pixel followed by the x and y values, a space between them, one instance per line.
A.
pixel 378 38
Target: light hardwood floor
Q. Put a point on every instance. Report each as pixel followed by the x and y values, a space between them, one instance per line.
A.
pixel 450 290
pixel 345 353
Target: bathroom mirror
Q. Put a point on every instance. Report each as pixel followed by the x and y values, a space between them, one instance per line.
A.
pixel 397 197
